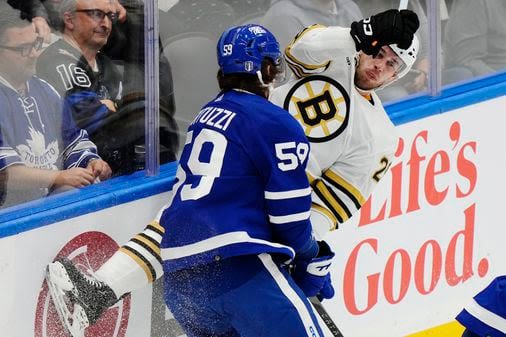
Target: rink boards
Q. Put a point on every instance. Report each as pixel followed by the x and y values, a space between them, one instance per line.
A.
pixel 429 237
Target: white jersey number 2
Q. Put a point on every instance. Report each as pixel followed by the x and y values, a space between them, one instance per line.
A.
pixel 208 171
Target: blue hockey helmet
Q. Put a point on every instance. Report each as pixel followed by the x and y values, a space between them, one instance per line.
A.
pixel 242 49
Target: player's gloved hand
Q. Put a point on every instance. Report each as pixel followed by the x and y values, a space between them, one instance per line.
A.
pixel 313 276
pixel 389 27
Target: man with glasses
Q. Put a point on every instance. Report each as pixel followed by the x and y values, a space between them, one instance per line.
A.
pixel 87 78
pixel 41 149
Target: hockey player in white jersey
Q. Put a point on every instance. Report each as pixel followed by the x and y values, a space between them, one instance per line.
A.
pixel 343 65
pixel 336 71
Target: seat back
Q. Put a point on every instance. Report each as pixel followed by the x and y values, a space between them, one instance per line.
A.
pixel 192 57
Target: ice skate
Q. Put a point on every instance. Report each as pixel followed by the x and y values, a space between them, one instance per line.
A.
pixel 79 299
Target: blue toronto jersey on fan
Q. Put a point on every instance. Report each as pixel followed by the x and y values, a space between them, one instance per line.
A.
pixel 37 131
pixel 241 186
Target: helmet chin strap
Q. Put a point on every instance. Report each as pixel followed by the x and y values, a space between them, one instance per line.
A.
pixel 270 86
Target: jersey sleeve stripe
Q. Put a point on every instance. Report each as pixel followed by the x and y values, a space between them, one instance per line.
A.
pixel 331 200
pixel 338 182
pixel 290 58
pixel 217 242
pixel 7 151
pixel 289 218
pixel 156 227
pixel 288 194
pixel 486 316
pixel 153 245
pixel 141 261
pixel 298 70
pixel 144 250
pixel 155 236
pixel 327 213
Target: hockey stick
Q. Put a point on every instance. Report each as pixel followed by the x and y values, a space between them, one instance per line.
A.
pixel 403 4
pixel 317 304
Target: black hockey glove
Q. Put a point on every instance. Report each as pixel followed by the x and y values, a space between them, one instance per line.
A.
pixel 313 276
pixel 389 27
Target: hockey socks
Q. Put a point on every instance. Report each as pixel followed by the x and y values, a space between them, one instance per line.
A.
pixel 136 264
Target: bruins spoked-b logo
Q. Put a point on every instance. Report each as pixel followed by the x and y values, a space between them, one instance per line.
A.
pixel 321 105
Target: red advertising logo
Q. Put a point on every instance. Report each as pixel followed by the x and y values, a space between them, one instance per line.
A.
pixel 88 251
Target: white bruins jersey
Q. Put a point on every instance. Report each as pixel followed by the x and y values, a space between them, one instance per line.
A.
pixel 352 138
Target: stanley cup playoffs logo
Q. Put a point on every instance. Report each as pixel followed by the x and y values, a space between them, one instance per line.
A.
pixel 88 251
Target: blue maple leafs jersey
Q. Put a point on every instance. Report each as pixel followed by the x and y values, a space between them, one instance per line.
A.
pixel 241 186
pixel 485 315
pixel 37 130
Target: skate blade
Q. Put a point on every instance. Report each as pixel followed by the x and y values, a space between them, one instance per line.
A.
pixel 57 274
pixel 74 322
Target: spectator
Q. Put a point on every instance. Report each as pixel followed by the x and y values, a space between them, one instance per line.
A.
pixel 88 79
pixel 41 149
pixel 475 40
pixel 52 7
pixel 288 17
pixel 416 80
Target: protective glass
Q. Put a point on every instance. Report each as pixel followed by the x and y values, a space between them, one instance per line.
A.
pixel 98 15
pixel 26 49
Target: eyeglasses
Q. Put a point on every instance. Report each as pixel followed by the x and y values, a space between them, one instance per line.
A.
pixel 98 15
pixel 26 49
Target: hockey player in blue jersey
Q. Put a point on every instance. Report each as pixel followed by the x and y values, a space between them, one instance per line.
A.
pixel 485 316
pixel 238 220
pixel 242 190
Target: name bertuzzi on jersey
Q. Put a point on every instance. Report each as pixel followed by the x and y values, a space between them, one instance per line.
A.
pixel 321 105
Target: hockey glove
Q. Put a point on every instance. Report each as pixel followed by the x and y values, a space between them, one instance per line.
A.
pixel 389 27
pixel 313 276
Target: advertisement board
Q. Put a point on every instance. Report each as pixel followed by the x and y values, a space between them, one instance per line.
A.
pixel 427 240
pixel 26 307
pixel 430 236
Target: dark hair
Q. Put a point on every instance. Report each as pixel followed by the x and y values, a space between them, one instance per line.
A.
pixel 248 82
pixel 9 18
